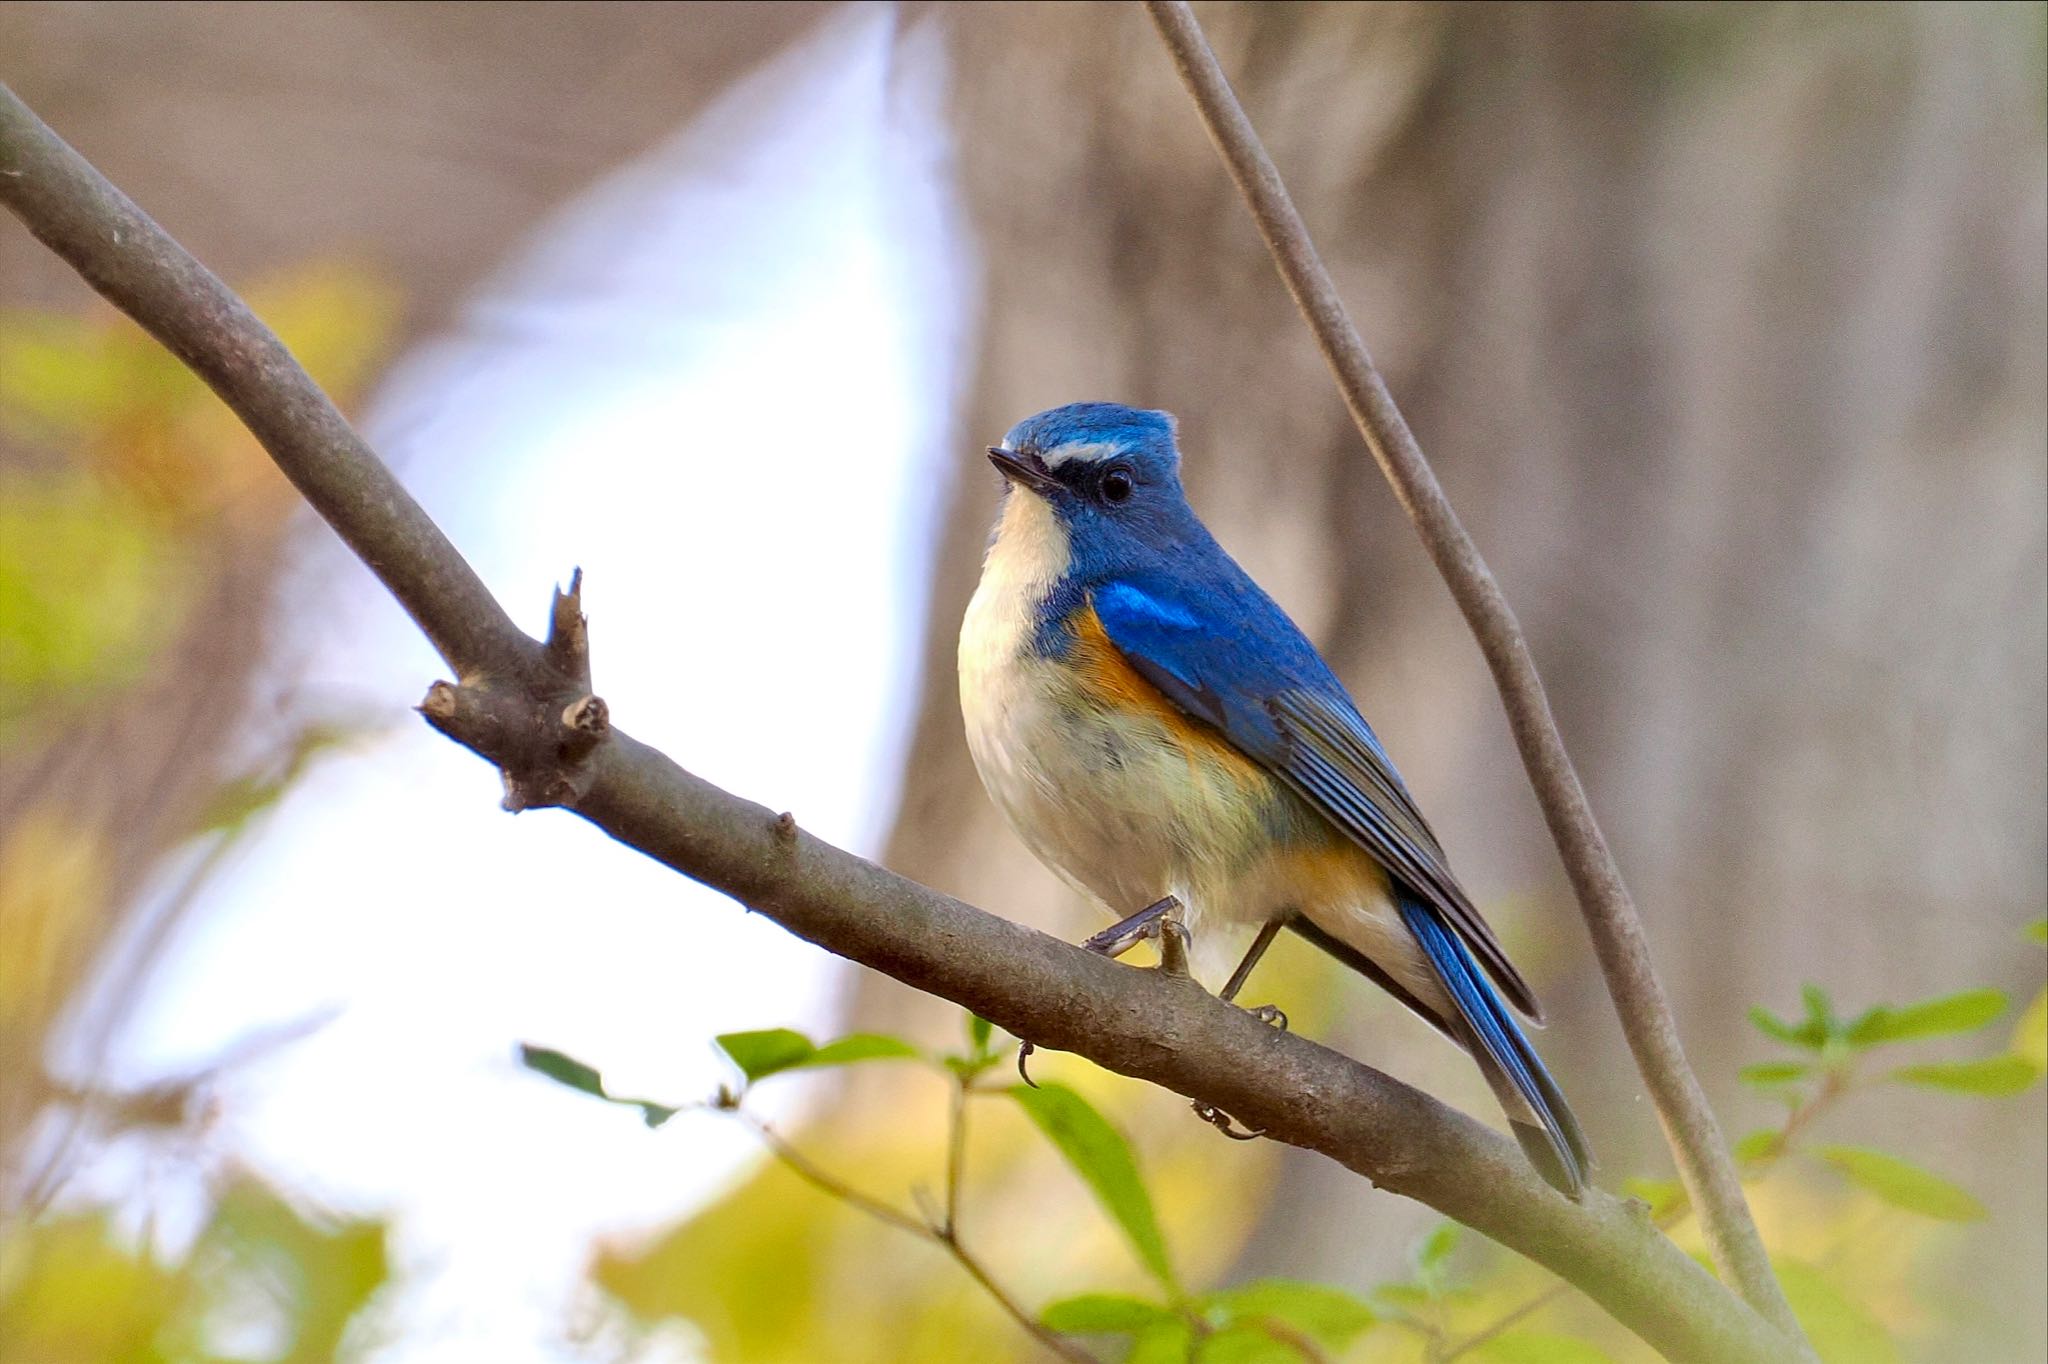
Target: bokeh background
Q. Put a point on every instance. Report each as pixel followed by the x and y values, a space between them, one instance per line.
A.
pixel 1726 327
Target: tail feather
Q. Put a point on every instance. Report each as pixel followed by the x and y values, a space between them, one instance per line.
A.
pixel 1537 1112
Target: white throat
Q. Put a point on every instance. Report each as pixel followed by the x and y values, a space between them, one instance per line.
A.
pixel 1026 559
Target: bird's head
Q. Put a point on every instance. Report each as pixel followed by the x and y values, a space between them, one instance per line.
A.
pixel 1109 474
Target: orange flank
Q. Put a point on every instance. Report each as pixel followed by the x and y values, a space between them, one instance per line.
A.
pixel 1106 677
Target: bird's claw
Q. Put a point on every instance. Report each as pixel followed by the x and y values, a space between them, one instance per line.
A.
pixel 1226 1124
pixel 1024 1050
pixel 1270 1013
pixel 1175 941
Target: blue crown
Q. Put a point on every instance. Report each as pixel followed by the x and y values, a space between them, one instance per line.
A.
pixel 1130 428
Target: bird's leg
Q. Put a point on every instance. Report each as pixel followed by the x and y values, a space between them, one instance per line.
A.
pixel 1161 920
pixel 1265 1013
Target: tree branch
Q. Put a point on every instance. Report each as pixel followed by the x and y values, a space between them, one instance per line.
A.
pixel 1617 931
pixel 510 707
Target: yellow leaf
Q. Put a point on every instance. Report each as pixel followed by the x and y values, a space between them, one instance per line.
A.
pixel 2030 1036
pixel 90 586
pixel 52 891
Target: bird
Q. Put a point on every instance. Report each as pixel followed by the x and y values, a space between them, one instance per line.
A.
pixel 1160 733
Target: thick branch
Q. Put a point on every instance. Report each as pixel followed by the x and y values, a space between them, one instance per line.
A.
pixel 1141 1023
pixel 1695 1138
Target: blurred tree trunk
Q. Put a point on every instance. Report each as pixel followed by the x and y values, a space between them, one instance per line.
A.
pixel 1724 328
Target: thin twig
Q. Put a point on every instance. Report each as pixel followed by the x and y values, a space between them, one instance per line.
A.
pixel 829 1184
pixel 944 1236
pixel 956 1152
pixel 1137 1023
pixel 1617 931
pixel 1287 1335
pixel 1058 1344
pixel 1506 1322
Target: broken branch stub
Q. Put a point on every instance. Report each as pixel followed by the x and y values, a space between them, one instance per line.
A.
pixel 539 734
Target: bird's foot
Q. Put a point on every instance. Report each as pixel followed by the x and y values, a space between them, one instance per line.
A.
pixel 1268 1013
pixel 1224 1123
pixel 1159 921
pixel 1216 1117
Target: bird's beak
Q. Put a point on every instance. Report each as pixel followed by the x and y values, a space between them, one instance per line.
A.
pixel 1028 470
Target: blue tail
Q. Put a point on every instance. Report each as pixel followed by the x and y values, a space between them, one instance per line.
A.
pixel 1537 1113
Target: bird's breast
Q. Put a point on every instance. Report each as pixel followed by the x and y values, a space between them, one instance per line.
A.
pixel 1099 773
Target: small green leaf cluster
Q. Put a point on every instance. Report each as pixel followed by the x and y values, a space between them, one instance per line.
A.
pixel 756 1055
pixel 1267 1320
pixel 1276 1320
pixel 1839 1056
pixel 79 1286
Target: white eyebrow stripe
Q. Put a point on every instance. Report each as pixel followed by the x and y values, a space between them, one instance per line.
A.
pixel 1084 451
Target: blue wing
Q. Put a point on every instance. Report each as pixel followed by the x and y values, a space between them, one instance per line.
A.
pixel 1233 659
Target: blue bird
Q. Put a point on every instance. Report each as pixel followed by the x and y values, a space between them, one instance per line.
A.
pixel 1160 733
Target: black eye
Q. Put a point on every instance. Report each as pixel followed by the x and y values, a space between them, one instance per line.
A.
pixel 1116 485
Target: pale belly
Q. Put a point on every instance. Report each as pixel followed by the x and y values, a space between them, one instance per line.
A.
pixel 1110 802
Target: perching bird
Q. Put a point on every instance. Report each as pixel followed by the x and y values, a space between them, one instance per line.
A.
pixel 1163 736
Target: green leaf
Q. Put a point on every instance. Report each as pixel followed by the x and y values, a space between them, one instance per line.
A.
pixel 861 1046
pixel 1770 1074
pixel 1903 1184
pixel 317 1272
pixel 1402 1296
pixel 1841 1330
pixel 1328 1315
pixel 1541 1347
pixel 1665 1196
pixel 1820 1010
pixel 1246 1343
pixel 567 1070
pixel 774 1050
pixel 1103 1159
pixel 1965 1011
pixel 1757 1145
pixel 93 584
pixel 1165 1342
pixel 1777 1029
pixel 62 377
pixel 562 1069
pixel 1101 1314
pixel 1992 1076
pixel 240 799
pixel 1772 1026
pixel 1432 1250
pixel 979 1033
pixel 2037 931
pixel 760 1054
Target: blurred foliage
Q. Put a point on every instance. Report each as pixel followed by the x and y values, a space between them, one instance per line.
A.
pixel 128 492
pixel 274 1283
pixel 1849 1224
pixel 104 545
